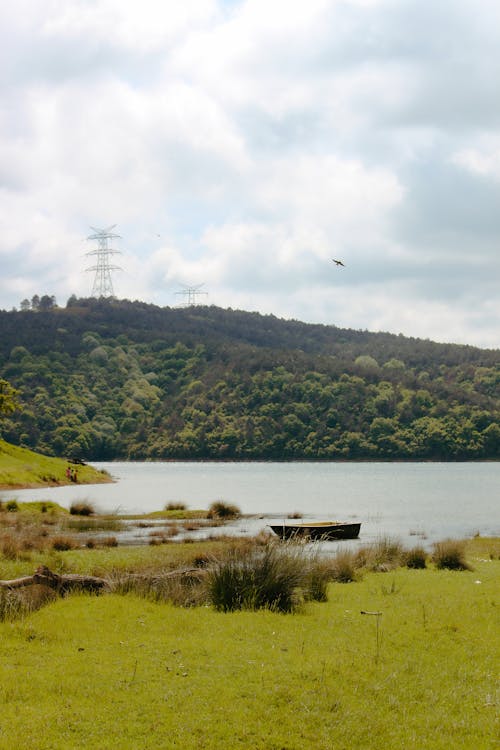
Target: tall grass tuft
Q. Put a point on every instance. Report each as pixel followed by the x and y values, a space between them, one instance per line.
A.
pixel 184 590
pixel 385 554
pixel 415 558
pixel 224 511
pixel 175 506
pixel 82 508
pixel 450 554
pixel 271 576
pixel 344 567
pixel 63 543
pixel 19 603
pixel 316 581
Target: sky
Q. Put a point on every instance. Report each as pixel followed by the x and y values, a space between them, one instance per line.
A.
pixel 240 145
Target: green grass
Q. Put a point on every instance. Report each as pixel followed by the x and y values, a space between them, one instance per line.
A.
pixel 120 671
pixel 173 513
pixel 20 467
pixel 123 672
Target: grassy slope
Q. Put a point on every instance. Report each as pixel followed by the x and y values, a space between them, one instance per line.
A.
pixel 121 672
pixel 20 467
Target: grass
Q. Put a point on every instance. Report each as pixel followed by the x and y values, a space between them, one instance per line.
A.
pixel 20 467
pixel 124 672
pixel 175 514
pixel 269 576
pixel 175 506
pixel 82 508
pixel 450 554
pixel 223 511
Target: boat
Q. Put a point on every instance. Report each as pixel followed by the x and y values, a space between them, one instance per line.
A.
pixel 318 530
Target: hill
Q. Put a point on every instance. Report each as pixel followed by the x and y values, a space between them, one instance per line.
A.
pixel 22 468
pixel 105 379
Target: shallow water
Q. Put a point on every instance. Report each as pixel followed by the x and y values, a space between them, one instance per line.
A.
pixel 413 501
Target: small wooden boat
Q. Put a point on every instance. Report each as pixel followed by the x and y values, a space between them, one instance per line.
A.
pixel 319 530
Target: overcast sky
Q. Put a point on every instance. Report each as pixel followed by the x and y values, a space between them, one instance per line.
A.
pixel 244 144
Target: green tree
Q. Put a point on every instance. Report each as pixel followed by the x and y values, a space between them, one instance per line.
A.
pixel 8 398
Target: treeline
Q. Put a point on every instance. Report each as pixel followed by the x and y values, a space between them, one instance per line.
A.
pixel 104 379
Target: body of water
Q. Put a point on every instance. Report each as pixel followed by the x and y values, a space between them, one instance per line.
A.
pixel 413 501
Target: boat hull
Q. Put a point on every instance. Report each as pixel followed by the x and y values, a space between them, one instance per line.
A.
pixel 324 532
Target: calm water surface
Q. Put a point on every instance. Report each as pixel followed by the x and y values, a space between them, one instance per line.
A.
pixel 411 500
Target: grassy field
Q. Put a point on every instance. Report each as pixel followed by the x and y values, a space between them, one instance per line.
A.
pixel 119 671
pixel 20 467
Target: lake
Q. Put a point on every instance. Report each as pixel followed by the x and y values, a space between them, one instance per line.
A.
pixel 413 501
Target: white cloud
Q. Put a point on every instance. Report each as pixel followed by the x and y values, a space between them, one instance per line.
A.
pixel 482 160
pixel 258 139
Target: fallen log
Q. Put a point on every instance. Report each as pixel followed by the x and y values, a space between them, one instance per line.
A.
pixel 60 583
pixel 63 584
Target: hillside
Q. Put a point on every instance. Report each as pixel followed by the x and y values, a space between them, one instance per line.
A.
pixel 105 379
pixel 20 467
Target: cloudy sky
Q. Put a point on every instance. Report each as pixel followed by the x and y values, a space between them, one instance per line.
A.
pixel 243 144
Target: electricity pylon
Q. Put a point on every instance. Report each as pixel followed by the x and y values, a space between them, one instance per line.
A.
pixel 190 294
pixel 103 285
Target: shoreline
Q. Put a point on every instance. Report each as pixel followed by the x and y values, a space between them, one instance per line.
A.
pixel 48 485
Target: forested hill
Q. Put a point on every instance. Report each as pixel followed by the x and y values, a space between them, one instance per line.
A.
pixel 104 379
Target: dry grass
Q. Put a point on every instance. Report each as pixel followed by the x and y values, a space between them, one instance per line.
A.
pixel 21 602
pixel 415 558
pixel 175 506
pixel 63 543
pixel 82 508
pixel 223 511
pixel 450 554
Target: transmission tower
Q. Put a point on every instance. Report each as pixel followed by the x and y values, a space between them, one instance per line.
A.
pixel 190 294
pixel 103 285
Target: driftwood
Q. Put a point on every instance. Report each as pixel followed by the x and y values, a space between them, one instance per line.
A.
pixel 63 584
pixel 60 583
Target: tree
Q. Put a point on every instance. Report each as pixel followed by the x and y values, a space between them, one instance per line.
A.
pixel 47 303
pixel 8 398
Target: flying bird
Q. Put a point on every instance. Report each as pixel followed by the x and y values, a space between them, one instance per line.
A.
pixel 337 262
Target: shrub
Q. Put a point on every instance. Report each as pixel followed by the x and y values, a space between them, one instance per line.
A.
pixel 450 554
pixel 222 510
pixel 416 558
pixel 12 506
pixel 259 577
pixel 82 508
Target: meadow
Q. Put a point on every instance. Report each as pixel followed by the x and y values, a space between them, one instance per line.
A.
pixel 405 658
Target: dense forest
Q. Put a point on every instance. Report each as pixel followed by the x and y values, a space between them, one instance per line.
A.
pixel 107 379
